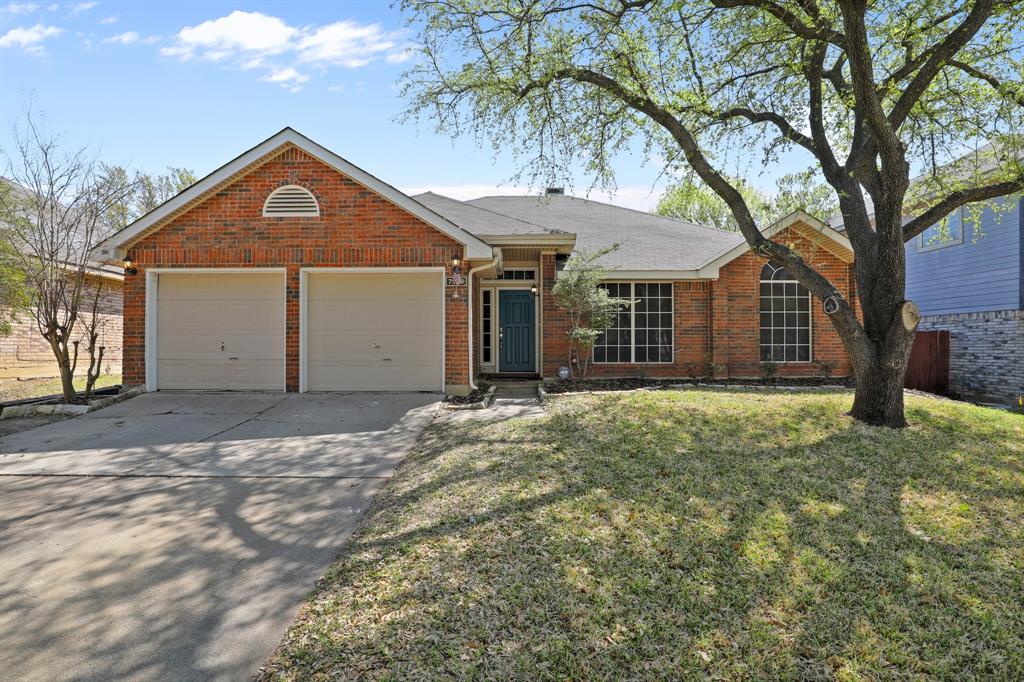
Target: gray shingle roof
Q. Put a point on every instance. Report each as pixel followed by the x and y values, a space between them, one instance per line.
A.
pixel 648 242
pixel 475 219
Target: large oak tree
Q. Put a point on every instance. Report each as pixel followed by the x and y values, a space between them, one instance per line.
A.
pixel 872 92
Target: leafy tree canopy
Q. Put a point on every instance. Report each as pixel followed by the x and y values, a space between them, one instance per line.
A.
pixel 693 201
pixel 872 93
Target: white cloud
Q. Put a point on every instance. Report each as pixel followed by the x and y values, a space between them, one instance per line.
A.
pixel 107 21
pixel 82 7
pixel 640 198
pixel 130 38
pixel 20 7
pixel 28 39
pixel 253 40
pixel 237 33
pixel 346 43
pixel 402 56
pixel 286 76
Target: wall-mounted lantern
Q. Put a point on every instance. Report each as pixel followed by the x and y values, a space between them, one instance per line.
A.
pixel 129 267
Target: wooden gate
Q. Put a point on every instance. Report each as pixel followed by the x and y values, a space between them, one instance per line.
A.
pixel 928 369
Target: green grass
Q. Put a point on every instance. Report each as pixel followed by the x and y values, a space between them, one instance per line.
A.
pixel 11 389
pixel 681 534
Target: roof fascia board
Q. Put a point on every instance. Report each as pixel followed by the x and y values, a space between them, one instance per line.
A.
pixel 651 275
pixel 113 247
pixel 540 239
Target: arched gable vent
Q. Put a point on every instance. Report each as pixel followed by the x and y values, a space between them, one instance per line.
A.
pixel 291 201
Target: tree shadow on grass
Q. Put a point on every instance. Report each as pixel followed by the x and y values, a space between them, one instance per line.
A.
pixel 646 536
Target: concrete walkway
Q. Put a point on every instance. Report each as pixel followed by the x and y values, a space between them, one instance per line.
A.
pixel 174 535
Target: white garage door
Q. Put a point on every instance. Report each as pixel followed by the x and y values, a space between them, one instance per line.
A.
pixel 220 331
pixel 374 331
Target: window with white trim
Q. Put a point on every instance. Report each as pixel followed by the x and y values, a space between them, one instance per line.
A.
pixel 518 274
pixel 946 232
pixel 485 324
pixel 642 331
pixel 785 310
pixel 291 201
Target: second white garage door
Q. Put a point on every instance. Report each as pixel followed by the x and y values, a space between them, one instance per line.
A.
pixel 374 331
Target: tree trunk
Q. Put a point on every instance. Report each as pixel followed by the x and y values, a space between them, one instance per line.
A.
pixel 880 362
pixel 67 380
pixel 878 399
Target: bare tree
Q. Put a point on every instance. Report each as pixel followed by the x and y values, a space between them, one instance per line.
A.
pixel 56 211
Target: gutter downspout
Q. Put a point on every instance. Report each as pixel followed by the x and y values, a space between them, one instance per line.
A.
pixel 469 280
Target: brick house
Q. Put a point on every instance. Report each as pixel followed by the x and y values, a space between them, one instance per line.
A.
pixel 291 269
pixel 25 354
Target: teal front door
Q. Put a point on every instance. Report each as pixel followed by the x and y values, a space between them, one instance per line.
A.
pixel 516 341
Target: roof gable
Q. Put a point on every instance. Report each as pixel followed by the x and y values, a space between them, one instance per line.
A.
pixel 816 231
pixel 114 247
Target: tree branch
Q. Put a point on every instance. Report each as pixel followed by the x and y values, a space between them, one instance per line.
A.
pixel 791 20
pixel 996 84
pixel 845 318
pixel 784 126
pixel 939 55
pixel 957 199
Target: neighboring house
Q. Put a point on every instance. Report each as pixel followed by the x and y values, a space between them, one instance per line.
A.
pixel 968 278
pixel 291 269
pixel 25 354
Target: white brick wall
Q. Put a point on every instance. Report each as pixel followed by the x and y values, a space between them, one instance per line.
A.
pixel 986 352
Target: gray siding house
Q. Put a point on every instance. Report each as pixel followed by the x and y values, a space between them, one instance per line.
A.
pixel 967 276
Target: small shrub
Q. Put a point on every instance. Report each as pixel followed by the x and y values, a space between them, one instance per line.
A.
pixel 768 371
pixel 825 368
pixel 711 368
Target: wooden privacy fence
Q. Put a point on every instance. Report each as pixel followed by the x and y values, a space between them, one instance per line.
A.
pixel 928 369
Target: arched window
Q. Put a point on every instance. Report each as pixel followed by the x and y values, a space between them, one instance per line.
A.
pixel 785 317
pixel 291 201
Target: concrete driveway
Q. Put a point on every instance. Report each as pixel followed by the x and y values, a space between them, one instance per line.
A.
pixel 174 535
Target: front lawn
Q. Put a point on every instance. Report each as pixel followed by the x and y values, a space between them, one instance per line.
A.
pixel 738 535
pixel 12 389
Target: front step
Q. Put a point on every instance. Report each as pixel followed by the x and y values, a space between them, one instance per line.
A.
pixel 514 388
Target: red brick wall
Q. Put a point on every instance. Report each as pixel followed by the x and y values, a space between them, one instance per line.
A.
pixel 735 307
pixel 356 228
pixel 729 307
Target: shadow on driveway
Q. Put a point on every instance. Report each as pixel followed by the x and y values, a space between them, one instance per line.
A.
pixel 173 536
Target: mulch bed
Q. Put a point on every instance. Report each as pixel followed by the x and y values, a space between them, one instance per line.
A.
pixel 633 383
pixel 474 397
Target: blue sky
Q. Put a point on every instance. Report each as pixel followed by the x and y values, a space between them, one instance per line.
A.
pixel 194 84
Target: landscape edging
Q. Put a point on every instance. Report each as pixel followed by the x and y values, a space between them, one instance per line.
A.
pixel 72 410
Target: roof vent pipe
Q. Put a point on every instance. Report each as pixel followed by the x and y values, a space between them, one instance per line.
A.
pixel 560 191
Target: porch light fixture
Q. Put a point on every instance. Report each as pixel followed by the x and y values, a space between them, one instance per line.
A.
pixel 129 267
pixel 533 290
pixel 455 261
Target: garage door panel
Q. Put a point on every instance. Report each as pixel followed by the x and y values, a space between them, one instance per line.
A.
pixel 191 374
pixel 255 374
pixel 376 378
pixel 328 345
pixel 374 287
pixel 381 317
pixel 374 332
pixel 220 331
